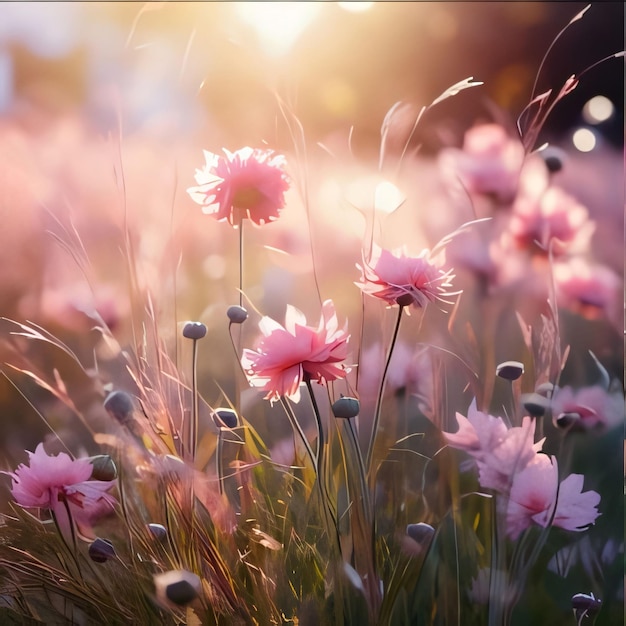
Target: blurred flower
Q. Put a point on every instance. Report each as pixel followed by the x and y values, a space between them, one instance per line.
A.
pixel 247 183
pixel 593 405
pixel 62 485
pixel 285 355
pixel 533 494
pixel 588 289
pixel 489 163
pixel 399 279
pixel 543 214
pixel 410 368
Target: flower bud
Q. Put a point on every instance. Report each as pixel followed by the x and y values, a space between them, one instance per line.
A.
pixel 237 314
pixel 546 390
pixel 421 533
pixel 158 531
pixel 120 406
pixel 535 404
pixel 553 158
pixel 510 370
pixel 585 605
pixel 565 420
pixel 104 467
pixel 101 550
pixel 194 330
pixel 178 586
pixel 346 407
pixel 225 417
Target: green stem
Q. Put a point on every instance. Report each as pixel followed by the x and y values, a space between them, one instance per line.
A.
pixel 319 465
pixel 218 461
pixel 295 424
pixel 193 430
pixel 241 263
pixel 379 400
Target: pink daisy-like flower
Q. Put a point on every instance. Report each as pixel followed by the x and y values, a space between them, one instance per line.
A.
pixel 534 491
pixel 397 278
pixel 594 406
pixel 499 452
pixel 285 355
pixel 62 485
pixel 248 183
pixel 489 163
pixel 542 215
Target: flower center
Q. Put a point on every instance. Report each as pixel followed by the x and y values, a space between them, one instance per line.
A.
pixel 247 198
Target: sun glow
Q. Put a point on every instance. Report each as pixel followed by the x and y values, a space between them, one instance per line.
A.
pixel 277 24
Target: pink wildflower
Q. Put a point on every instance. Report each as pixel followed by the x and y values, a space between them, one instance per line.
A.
pixel 247 183
pixel 594 406
pixel 285 355
pixel 399 279
pixel 489 163
pixel 62 485
pixel 477 432
pixel 499 451
pixel 541 215
pixel 533 494
pixel 587 289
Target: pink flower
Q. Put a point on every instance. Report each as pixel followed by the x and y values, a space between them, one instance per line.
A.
pixel 285 355
pixel 477 432
pixel 594 406
pixel 541 215
pixel 489 163
pixel 399 279
pixel 410 369
pixel 248 183
pixel 62 485
pixel 533 494
pixel 499 465
pixel 499 452
pixel 590 290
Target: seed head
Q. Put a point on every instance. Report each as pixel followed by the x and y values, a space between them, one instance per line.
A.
pixel 101 550
pixel 194 330
pixel 346 407
pixel 237 314
pixel 510 370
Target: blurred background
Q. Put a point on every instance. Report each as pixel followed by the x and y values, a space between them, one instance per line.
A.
pixel 105 108
pixel 176 65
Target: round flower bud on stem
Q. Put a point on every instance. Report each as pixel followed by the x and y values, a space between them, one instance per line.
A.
pixel 120 406
pixel 104 467
pixel 566 420
pixel 237 314
pixel 194 330
pixel 553 158
pixel 585 605
pixel 420 533
pixel 346 407
pixel 535 404
pixel 546 390
pixel 101 550
pixel 158 531
pixel 178 586
pixel 225 418
pixel 510 370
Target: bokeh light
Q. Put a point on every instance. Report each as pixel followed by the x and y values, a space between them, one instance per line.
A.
pixel 277 24
pixel 584 140
pixel 598 109
pixel 356 7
